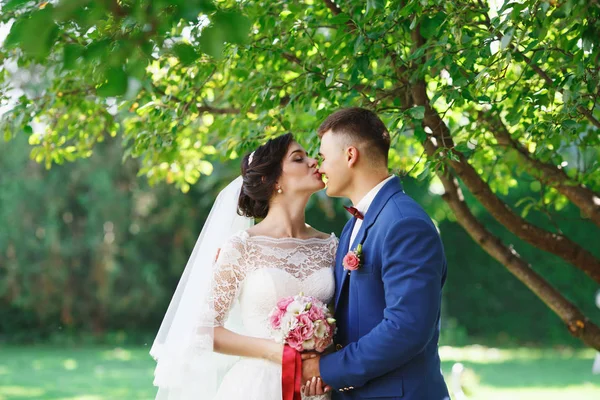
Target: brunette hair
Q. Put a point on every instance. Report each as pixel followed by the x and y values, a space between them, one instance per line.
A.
pixel 260 176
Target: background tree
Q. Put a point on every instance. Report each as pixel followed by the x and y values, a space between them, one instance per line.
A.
pixel 479 96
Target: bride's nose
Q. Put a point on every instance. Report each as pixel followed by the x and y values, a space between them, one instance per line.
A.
pixel 312 162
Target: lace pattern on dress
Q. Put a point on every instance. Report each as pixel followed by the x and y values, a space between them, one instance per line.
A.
pixel 244 254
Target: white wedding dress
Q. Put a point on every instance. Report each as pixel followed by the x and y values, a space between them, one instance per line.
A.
pixel 257 271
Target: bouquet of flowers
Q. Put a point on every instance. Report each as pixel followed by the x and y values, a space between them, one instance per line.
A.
pixel 303 323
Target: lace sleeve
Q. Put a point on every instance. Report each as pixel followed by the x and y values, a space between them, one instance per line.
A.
pixel 227 276
pixel 333 250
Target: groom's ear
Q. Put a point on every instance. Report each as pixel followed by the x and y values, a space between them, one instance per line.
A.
pixel 351 155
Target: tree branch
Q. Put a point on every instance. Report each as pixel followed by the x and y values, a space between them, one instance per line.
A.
pixel 587 200
pixel 577 323
pixel 554 243
pixel 335 10
pixel 214 110
pixel 201 109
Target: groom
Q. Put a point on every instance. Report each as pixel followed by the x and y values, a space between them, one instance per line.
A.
pixel 387 310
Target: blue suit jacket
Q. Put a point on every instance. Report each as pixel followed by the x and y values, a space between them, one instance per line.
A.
pixel 388 311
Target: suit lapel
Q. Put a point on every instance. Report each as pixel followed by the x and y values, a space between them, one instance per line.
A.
pixel 387 191
pixel 340 274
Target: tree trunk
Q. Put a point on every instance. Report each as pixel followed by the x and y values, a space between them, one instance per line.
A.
pixel 577 323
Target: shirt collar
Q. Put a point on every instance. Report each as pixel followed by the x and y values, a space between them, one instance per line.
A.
pixel 365 202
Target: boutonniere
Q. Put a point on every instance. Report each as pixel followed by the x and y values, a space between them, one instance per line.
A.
pixel 353 260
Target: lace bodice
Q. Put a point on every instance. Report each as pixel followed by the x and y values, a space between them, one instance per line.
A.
pixel 258 271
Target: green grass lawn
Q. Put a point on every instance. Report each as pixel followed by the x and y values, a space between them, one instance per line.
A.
pixel 107 373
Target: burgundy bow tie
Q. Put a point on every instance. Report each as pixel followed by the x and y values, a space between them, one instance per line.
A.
pixel 354 212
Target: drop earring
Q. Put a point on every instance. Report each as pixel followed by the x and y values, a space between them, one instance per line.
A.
pixel 279 191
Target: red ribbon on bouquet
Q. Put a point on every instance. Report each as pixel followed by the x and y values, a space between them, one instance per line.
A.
pixel 291 374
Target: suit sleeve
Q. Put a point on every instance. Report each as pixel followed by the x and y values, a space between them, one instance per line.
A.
pixel 413 265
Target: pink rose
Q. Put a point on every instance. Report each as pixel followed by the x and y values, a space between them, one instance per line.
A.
pixel 275 318
pixel 315 313
pixel 322 344
pixel 294 339
pixel 306 327
pixel 330 330
pixel 351 261
pixel 284 303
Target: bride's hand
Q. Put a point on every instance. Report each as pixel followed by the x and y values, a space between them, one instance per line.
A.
pixel 314 387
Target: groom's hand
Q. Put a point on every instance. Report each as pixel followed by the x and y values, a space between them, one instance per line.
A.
pixel 310 366
pixel 310 370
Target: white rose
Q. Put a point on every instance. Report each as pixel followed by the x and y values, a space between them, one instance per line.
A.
pixel 295 308
pixel 308 344
pixel 320 329
pixel 288 322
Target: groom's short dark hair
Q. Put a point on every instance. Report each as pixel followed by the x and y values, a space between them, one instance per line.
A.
pixel 360 125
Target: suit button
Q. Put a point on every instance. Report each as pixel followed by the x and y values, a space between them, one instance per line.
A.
pixel 338 347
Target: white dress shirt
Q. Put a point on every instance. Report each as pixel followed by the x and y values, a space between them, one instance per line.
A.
pixel 363 205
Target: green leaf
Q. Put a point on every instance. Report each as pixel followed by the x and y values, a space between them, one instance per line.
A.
pixel 212 42
pixel 97 50
pixel 115 84
pixel 420 133
pixel 186 53
pixel 71 53
pixel 535 186
pixel 373 5
pixel 359 44
pixel 191 9
pixel 453 156
pixel 339 19
pixel 507 38
pixel 234 26
pixel 362 64
pixel 526 210
pixel 39 34
pixel 462 147
pixel 418 53
pixel 431 25
pixel 408 9
pixel 417 112
pixel 413 23
pixel 330 77
pixel 137 67
pixel 425 173
pixel 14 36
pixel 13 5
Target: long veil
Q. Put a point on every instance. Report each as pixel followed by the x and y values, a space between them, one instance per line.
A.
pixel 187 367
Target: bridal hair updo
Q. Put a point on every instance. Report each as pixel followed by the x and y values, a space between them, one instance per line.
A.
pixel 261 170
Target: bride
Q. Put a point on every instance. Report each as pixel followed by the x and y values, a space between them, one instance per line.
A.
pixel 214 342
